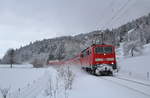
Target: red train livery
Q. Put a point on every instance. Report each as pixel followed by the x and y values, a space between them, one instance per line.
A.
pixel 98 59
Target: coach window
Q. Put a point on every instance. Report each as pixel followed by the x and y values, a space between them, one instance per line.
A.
pixel 81 55
pixel 84 53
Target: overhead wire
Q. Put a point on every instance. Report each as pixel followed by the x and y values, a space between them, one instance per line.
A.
pixel 122 13
pixel 117 13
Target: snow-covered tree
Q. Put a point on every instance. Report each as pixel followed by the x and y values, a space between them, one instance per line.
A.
pixel 133 43
pixel 39 60
pixel 132 48
pixel 9 57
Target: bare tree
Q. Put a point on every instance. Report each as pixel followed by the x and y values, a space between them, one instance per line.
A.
pixel 48 90
pixel 52 88
pixel 68 76
pixel 12 57
pixel 5 91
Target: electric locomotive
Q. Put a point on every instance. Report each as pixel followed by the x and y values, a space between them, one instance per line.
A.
pixel 99 59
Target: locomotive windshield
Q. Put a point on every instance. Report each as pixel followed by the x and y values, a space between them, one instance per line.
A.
pixel 103 50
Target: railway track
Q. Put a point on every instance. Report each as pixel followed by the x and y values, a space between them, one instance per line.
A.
pixel 135 86
pixel 133 81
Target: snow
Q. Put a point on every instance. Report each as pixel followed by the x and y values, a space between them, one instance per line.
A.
pixel 16 66
pixel 137 66
pixel 88 86
pixel 18 77
pixel 29 82
pixel 25 82
pixel 38 85
pixel 144 89
pixel 132 68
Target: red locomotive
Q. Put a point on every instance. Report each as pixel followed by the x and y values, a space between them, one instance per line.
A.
pixel 97 59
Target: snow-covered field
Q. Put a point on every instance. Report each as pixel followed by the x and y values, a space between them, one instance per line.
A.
pixel 18 78
pixel 28 82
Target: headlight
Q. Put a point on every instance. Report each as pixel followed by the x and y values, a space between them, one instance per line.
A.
pixel 98 59
pixel 110 59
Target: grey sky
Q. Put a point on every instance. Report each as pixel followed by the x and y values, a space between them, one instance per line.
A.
pixel 22 21
pixel 47 17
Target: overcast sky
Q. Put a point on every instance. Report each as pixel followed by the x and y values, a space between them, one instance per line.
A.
pixel 22 21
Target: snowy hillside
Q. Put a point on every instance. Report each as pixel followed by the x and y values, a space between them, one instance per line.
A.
pixel 137 66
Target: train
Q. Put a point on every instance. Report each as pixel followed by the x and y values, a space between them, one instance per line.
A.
pixel 98 59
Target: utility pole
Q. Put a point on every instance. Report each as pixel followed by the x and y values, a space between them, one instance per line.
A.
pixel 102 38
pixel 99 38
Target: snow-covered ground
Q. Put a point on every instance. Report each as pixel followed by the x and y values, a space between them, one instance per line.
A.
pixel 28 82
pixel 135 83
pixel 18 78
pixel 87 86
pixel 138 66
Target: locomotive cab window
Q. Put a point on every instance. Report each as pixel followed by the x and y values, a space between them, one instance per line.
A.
pixel 100 50
pixel 108 49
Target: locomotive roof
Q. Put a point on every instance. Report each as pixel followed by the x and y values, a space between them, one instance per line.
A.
pixel 101 45
pixel 97 45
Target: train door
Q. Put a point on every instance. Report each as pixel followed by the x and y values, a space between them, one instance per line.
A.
pixel 88 58
pixel 83 58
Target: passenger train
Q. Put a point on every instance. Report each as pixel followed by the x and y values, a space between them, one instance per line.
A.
pixel 98 59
